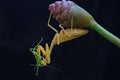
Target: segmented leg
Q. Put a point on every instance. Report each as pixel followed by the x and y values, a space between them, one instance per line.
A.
pixel 64 30
pixel 45 53
pixel 53 28
pixel 40 49
pixel 71 23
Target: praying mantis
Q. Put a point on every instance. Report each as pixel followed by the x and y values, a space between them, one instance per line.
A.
pixel 42 55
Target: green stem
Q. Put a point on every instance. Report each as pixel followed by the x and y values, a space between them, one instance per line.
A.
pixel 103 32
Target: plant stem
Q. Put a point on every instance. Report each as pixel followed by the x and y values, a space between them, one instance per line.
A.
pixel 106 34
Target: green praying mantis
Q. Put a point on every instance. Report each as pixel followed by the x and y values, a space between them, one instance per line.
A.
pixel 42 55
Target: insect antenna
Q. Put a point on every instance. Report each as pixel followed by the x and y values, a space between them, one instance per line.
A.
pixel 38 43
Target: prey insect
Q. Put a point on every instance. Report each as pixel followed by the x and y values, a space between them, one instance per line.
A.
pixel 42 55
pixel 38 57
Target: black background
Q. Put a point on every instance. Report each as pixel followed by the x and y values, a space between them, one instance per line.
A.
pixel 91 57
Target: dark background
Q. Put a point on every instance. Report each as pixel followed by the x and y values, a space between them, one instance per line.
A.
pixel 91 57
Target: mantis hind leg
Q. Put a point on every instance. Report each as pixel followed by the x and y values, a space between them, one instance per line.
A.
pixel 55 30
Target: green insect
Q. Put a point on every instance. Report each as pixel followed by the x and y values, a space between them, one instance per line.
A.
pixel 38 57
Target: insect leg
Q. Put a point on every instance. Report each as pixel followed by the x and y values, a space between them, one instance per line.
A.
pixel 64 30
pixel 71 24
pixel 48 23
pixel 40 49
pixel 45 53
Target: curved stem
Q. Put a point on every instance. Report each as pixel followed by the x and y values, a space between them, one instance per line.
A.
pixel 106 34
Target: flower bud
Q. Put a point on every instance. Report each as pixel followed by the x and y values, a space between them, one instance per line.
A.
pixel 64 11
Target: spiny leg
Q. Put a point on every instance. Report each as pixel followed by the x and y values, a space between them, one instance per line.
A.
pixel 40 49
pixel 48 23
pixel 45 53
